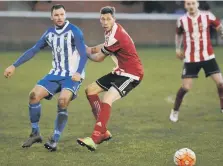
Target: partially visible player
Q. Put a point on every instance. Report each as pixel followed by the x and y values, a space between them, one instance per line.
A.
pixel 193 30
pixel 69 59
pixel 117 84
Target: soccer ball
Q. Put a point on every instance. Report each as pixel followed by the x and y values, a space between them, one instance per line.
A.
pixel 184 157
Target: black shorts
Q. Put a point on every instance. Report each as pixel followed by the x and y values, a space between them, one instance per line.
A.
pixel 191 70
pixel 123 84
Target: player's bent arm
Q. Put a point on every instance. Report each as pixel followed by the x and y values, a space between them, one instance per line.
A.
pixel 220 30
pixel 96 49
pixel 31 52
pixel 98 57
pixel 178 41
pixel 80 45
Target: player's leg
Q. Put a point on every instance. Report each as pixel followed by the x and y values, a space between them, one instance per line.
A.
pixel 190 71
pixel 92 92
pixel 35 96
pixel 43 89
pixel 212 69
pixel 121 86
pixel 101 124
pixel 68 93
pixel 61 119
pixel 217 77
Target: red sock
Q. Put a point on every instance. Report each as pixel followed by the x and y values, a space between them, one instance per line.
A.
pixel 95 103
pixel 101 124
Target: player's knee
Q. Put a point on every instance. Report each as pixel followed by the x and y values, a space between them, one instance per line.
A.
pixel 187 87
pixel 33 97
pixel 220 85
pixel 90 90
pixel 62 102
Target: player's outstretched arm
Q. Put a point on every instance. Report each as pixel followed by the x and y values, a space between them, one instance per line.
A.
pixel 26 56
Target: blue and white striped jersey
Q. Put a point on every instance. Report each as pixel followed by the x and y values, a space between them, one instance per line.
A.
pixel 68 50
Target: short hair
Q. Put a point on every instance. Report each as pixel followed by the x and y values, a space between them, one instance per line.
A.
pixel 57 6
pixel 108 9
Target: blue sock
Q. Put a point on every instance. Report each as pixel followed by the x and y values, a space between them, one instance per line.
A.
pixel 60 123
pixel 34 115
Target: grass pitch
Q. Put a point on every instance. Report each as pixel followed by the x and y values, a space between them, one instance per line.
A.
pixel 142 132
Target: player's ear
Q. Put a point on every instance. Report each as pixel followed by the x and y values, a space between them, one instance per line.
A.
pixel 197 4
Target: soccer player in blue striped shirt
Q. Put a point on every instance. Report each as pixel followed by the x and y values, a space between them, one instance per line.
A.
pixel 69 59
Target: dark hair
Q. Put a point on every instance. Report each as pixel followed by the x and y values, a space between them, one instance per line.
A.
pixel 56 6
pixel 108 9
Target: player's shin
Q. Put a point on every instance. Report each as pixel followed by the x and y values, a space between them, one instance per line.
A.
pixel 179 98
pixel 220 94
pixel 34 114
pixel 101 124
pixel 60 123
pixel 95 103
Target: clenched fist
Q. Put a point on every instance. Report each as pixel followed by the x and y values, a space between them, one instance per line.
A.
pixel 9 71
pixel 180 54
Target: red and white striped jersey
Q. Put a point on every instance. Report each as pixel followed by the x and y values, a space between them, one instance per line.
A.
pixel 196 36
pixel 123 52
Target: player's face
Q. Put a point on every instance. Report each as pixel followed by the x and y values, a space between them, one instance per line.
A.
pixel 191 6
pixel 107 21
pixel 58 16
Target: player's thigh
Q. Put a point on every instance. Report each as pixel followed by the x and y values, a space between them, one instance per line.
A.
pixel 70 87
pixel 111 96
pixel 187 83
pixel 38 93
pixel 65 97
pixel 124 85
pixel 211 68
pixel 100 85
pixel 93 88
pixel 191 70
pixel 52 87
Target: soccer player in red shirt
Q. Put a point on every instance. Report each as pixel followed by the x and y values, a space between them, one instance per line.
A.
pixel 193 29
pixel 125 76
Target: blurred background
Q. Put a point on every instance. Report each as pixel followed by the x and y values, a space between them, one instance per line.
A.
pixel 143 134
pixel 150 23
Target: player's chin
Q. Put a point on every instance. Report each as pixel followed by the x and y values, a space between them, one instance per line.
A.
pixel 60 23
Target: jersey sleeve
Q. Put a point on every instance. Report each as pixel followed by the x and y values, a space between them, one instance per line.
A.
pixel 30 53
pixel 80 45
pixel 111 46
pixel 179 27
pixel 213 20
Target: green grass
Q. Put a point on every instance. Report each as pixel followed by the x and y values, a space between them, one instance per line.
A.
pixel 142 132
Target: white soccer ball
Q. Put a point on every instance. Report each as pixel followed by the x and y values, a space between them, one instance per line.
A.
pixel 184 157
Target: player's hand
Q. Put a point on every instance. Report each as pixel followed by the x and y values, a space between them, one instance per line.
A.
pixel 180 54
pixel 9 71
pixel 88 50
pixel 76 77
